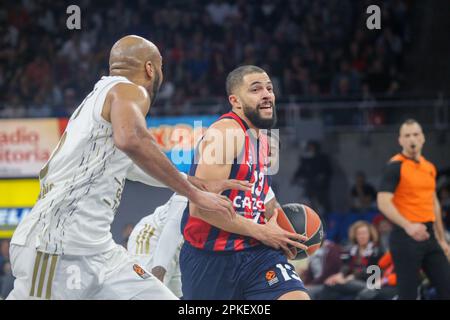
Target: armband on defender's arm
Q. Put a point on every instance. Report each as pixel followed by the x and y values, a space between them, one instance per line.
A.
pixel 137 174
pixel 270 203
pixel 171 238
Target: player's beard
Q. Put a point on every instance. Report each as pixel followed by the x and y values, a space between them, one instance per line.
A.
pixel 155 89
pixel 255 118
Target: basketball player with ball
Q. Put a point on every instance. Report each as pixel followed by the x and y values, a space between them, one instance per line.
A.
pixel 244 257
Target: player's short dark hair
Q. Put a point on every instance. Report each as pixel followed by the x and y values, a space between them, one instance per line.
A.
pixel 409 122
pixel 235 77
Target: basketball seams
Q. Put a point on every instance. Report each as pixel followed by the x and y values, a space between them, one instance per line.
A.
pixel 305 210
pixel 318 226
pixel 290 224
pixel 315 232
pixel 318 245
pixel 315 235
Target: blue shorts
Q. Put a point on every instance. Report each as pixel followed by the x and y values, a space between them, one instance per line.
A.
pixel 258 273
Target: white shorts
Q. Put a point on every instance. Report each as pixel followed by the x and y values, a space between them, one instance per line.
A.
pixel 172 278
pixel 144 247
pixel 114 274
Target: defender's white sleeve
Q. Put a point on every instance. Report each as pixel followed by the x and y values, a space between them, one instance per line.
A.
pixel 171 238
pixel 270 195
pixel 137 174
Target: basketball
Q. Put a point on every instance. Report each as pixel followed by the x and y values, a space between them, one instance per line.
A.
pixel 305 221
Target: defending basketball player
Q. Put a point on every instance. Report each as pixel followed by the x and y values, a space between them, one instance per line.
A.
pixel 64 248
pixel 243 258
pixel 156 241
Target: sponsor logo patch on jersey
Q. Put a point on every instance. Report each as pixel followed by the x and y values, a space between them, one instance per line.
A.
pixel 140 272
pixel 271 277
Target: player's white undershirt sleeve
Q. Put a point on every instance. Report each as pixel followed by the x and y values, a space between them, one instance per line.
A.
pixel 270 195
pixel 171 236
pixel 137 174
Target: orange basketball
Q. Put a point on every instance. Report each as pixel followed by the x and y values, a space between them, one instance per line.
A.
pixel 303 220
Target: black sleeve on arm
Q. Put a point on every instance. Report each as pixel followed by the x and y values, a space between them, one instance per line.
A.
pixel 391 177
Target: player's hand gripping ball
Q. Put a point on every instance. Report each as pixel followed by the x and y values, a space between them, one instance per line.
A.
pixel 305 221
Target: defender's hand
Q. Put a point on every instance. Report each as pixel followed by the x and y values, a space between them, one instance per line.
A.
pixel 159 272
pixel 213 202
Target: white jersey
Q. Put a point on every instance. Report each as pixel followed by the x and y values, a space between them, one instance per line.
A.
pixel 151 226
pixel 81 184
pixel 156 241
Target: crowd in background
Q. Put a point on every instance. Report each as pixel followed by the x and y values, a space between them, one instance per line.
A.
pixel 310 49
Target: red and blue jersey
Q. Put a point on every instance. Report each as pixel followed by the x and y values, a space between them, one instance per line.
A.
pixel 250 165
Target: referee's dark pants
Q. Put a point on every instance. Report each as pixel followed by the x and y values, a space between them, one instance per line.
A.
pixel 411 256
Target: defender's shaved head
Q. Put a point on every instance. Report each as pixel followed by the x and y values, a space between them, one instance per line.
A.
pixel 139 60
pixel 130 53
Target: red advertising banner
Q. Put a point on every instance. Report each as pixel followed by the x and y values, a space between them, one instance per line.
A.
pixel 26 145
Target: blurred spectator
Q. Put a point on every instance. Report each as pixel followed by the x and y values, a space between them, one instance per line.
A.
pixel 70 102
pixel 384 228
pixel 385 289
pixel 363 194
pixel 347 81
pixel 364 252
pixel 219 10
pixel 75 49
pixel 324 263
pixel 314 173
pixel 39 107
pixel 376 78
pixel 6 277
pixel 37 73
pixel 4 254
pixel 14 108
pixel 444 199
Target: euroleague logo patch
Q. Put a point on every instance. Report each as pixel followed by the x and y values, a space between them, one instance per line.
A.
pixel 141 272
pixel 271 277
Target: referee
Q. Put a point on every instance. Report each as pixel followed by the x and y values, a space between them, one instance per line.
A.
pixel 407 196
